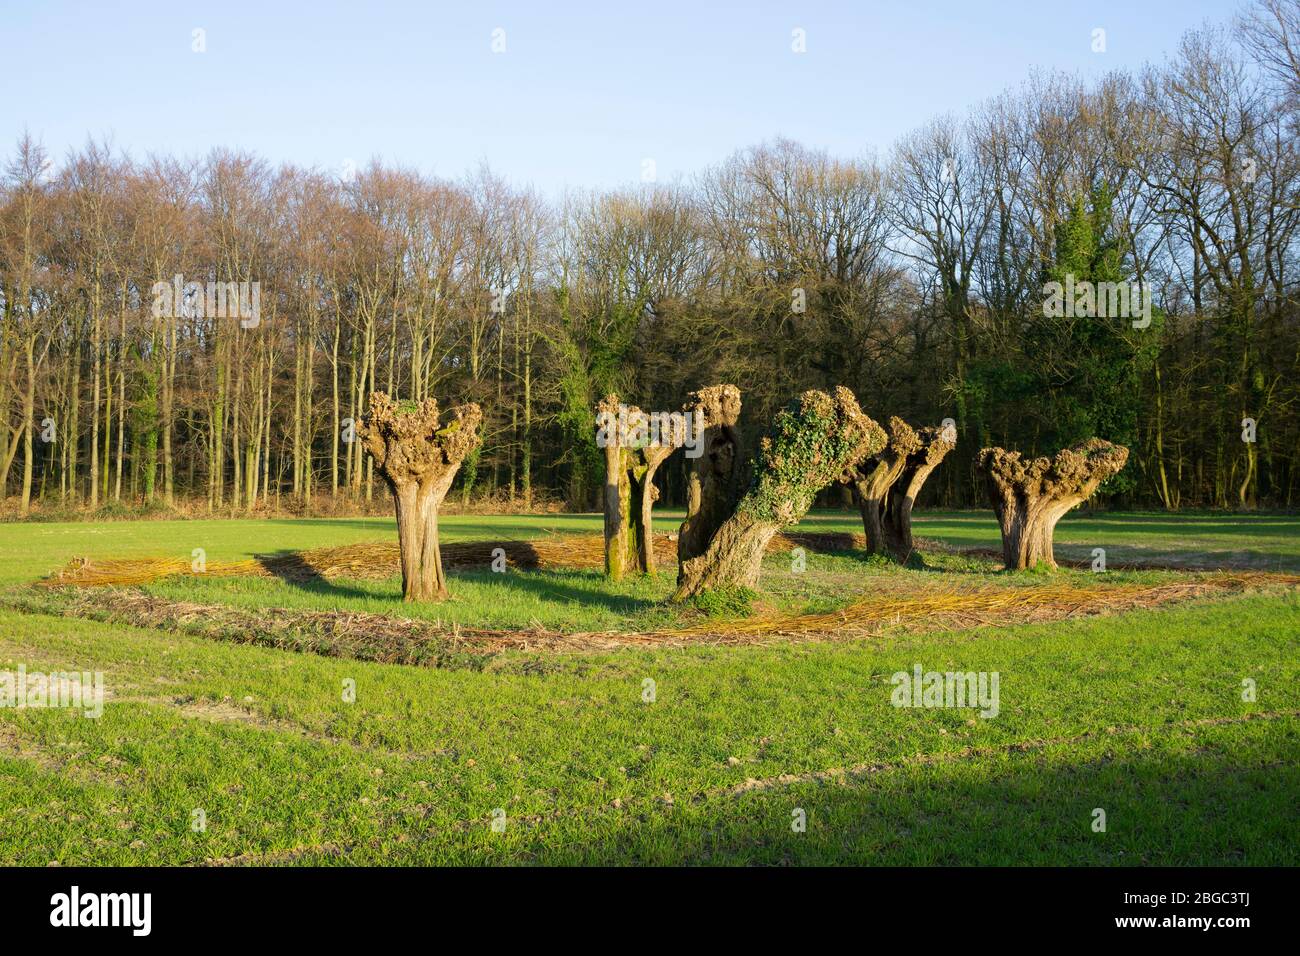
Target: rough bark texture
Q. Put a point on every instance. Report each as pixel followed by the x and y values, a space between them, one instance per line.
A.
pixel 871 478
pixel 933 445
pixel 713 484
pixel 886 484
pixel 418 456
pixel 1029 497
pixel 653 457
pixel 616 500
pixel 630 493
pixel 811 444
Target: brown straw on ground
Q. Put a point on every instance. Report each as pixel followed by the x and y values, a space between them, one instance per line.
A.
pixel 393 639
pixel 381 559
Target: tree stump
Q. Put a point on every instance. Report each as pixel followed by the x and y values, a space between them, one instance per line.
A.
pixel 1030 497
pixel 811 444
pixel 713 484
pixel 417 457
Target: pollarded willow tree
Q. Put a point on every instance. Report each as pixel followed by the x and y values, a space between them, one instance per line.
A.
pixel 418 455
pixel 811 444
pixel 1030 497
pixel 713 483
pixel 632 456
pixel 886 484
pixel 873 476
pixel 934 445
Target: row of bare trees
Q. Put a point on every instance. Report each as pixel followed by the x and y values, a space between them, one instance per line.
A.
pixel 916 280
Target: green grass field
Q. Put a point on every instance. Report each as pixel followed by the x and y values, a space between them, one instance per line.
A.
pixel 1139 714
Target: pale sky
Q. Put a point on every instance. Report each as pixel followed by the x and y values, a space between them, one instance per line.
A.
pixel 582 94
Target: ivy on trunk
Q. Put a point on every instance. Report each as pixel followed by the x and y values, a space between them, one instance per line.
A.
pixel 813 441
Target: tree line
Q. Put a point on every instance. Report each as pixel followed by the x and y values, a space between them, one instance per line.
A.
pixel 917 279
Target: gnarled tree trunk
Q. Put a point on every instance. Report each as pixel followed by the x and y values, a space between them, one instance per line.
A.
pixel 811 444
pixel 621 546
pixel 871 478
pixel 933 445
pixel 734 556
pixel 654 457
pixel 713 485
pixel 1030 497
pixel 418 456
pixel 886 484
pixel 630 494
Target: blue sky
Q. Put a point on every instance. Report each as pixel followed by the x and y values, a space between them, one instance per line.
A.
pixel 583 93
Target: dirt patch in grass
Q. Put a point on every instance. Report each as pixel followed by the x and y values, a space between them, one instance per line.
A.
pixel 105 770
pixel 380 560
pixel 219 711
pixel 13 744
pixel 397 640
pixel 841 774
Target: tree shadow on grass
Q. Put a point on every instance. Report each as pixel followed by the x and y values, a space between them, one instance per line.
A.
pixel 1225 811
pixel 552 586
pixel 1181 558
pixel 290 568
pixel 549 586
pixel 1224 526
pixel 983 563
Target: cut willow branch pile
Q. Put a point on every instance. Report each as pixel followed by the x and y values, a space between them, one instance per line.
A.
pixel 378 560
pixel 398 640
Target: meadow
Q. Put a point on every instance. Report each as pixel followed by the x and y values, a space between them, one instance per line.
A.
pixel 773 751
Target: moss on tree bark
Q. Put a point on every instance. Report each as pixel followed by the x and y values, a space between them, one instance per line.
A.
pixel 811 444
pixel 629 492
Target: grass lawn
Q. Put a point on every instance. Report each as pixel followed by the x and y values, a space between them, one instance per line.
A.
pixel 1140 714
